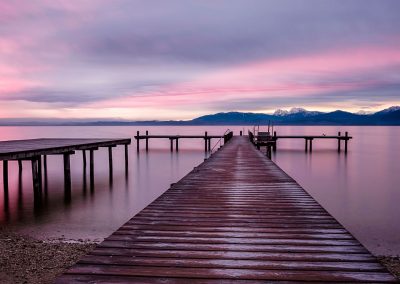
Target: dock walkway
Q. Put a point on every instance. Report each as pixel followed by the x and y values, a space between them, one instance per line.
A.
pixel 237 216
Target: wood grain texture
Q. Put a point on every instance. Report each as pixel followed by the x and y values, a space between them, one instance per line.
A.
pixel 236 218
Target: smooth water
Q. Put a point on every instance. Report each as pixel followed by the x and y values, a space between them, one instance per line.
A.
pixel 360 189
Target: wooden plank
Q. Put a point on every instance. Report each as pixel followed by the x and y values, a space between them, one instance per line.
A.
pixel 236 217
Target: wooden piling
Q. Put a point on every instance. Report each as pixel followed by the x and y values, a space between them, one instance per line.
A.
pixel 171 141
pixel 209 144
pixel 110 160
pixel 20 166
pixel 275 142
pixel 5 175
pixel 176 144
pixel 339 142
pixel 147 141
pixel 91 168
pixel 126 159
pixel 67 173
pixel 137 141
pixel 84 159
pixel 306 147
pixel 346 134
pixel 311 145
pixel 35 175
pixel 205 142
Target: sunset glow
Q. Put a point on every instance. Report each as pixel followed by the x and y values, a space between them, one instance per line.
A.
pixel 133 60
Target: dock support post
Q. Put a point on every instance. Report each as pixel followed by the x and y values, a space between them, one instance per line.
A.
pixel 137 141
pixel 209 144
pixel 205 142
pixel 338 142
pixel 346 134
pixel 311 144
pixel 91 168
pixel 67 174
pixel 171 141
pixel 275 141
pixel 126 159
pixel 20 166
pixel 306 147
pixel 35 175
pixel 45 172
pixel 176 145
pixel 241 133
pixel 147 141
pixel 5 175
pixel 84 159
pixel 110 162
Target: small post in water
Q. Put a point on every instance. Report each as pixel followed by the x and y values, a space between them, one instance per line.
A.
pixel 147 141
pixel 339 142
pixel 137 141
pixel 346 134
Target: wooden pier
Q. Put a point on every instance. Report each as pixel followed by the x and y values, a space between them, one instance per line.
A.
pixel 37 150
pixel 207 139
pixel 238 217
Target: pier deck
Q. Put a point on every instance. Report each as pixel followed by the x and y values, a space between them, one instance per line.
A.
pixel 237 216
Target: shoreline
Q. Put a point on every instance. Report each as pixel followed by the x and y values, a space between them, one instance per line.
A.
pixel 50 258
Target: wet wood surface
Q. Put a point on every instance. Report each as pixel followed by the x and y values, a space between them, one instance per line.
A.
pixel 235 218
pixel 25 149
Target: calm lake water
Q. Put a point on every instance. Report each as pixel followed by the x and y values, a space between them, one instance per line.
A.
pixel 360 189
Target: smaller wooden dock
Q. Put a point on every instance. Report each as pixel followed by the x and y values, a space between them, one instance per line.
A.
pixel 272 143
pixel 236 218
pixel 207 139
pixel 37 150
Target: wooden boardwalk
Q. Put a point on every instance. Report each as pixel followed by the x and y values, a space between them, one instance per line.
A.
pixel 235 218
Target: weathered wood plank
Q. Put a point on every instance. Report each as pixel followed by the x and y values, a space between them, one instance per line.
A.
pixel 236 217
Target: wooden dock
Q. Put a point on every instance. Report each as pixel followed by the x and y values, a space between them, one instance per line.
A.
pixel 235 218
pixel 37 150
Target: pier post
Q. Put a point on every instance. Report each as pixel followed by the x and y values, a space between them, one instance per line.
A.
pixel 126 159
pixel 84 159
pixel 339 142
pixel 137 141
pixel 306 147
pixel 5 175
pixel 209 144
pixel 35 175
pixel 241 133
pixel 171 141
pixel 176 145
pixel 346 134
pixel 20 166
pixel 40 171
pixel 91 168
pixel 147 141
pixel 67 174
pixel 275 141
pixel 311 144
pixel 205 142
pixel 110 162
pixel 45 171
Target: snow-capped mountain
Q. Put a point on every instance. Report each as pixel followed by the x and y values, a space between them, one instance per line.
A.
pixel 296 111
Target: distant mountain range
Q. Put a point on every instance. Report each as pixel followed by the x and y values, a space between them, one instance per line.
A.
pixel 296 116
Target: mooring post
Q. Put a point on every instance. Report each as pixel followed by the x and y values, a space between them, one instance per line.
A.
pixel 91 168
pixel 67 173
pixel 205 142
pixel 147 141
pixel 209 144
pixel 45 164
pixel 137 141
pixel 176 144
pixel 306 147
pixel 311 139
pixel 171 142
pixel 5 175
pixel 40 171
pixel 346 134
pixel 338 142
pixel 241 133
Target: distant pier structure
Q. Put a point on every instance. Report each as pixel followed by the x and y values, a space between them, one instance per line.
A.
pixel 260 139
pixel 37 150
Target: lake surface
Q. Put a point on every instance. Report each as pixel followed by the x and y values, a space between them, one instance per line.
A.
pixel 360 189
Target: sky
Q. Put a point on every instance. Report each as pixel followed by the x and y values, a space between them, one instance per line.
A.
pixel 140 60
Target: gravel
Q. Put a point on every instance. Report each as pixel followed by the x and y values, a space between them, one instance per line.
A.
pixel 392 263
pixel 27 260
